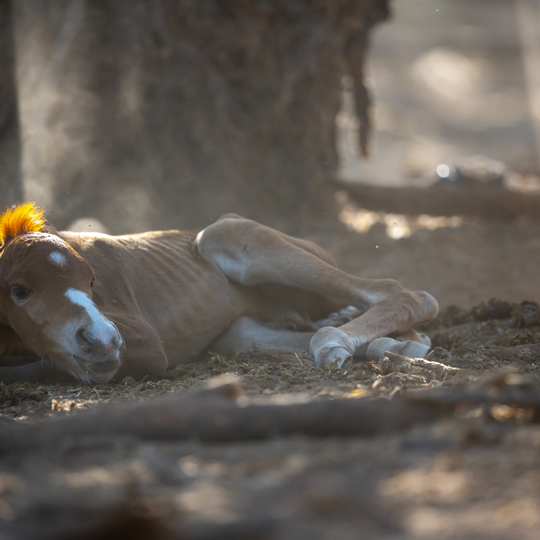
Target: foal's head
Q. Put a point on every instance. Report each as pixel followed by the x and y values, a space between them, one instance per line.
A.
pixel 46 297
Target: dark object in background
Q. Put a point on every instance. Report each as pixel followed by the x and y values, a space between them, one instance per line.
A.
pixel 479 171
pixel 477 186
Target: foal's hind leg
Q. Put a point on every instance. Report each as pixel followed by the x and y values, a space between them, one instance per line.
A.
pixel 247 335
pixel 252 254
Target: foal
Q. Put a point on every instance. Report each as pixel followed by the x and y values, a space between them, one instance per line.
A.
pixel 100 307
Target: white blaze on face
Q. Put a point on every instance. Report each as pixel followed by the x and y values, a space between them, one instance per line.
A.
pixel 58 258
pixel 101 328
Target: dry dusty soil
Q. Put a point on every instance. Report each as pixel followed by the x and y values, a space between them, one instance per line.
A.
pixel 385 450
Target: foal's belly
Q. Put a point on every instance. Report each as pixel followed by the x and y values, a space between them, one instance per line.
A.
pixel 193 324
pixel 188 310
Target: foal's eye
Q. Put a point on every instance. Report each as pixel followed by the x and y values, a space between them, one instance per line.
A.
pixel 19 292
pixel 92 282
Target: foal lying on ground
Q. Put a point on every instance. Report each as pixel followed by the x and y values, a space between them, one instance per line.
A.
pixel 101 307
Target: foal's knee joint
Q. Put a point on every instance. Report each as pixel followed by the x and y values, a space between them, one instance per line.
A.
pixel 393 287
pixel 430 306
pixel 415 307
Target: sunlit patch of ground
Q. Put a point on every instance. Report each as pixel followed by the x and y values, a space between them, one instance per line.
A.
pixel 397 225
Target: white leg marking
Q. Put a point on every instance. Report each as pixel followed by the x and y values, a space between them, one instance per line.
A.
pixel 102 329
pixel 58 258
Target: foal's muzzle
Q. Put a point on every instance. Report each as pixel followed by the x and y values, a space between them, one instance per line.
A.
pixel 99 349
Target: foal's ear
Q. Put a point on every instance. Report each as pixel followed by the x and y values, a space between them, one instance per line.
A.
pixel 48 229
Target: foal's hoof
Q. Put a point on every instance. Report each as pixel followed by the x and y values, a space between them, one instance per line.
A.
pixel 335 358
pixel 331 348
pixel 412 349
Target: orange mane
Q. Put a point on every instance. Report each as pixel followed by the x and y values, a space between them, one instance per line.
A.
pixel 24 218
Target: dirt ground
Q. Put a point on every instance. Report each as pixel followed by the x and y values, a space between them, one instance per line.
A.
pixel 472 474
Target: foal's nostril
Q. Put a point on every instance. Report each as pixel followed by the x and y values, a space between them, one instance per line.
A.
pixel 99 345
pixel 117 341
pixel 84 342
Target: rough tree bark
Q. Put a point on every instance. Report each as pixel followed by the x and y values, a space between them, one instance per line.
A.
pixel 168 114
pixel 10 147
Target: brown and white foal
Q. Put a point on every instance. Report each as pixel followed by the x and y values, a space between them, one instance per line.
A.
pixel 100 307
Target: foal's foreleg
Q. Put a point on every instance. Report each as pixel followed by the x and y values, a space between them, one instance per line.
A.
pixel 396 314
pixel 252 254
pixel 40 370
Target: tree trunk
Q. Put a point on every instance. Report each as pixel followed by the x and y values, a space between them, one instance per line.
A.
pixel 10 147
pixel 169 114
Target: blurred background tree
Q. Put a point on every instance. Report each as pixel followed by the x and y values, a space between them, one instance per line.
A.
pixel 168 114
pixel 10 145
